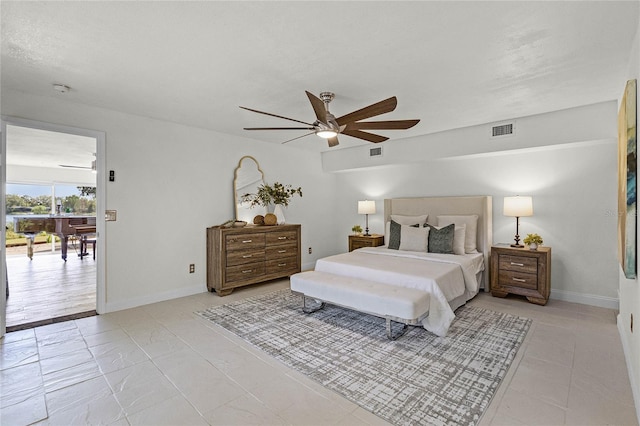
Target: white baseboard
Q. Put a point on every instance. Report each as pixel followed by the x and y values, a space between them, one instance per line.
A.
pixel 586 299
pixel 635 389
pixel 154 298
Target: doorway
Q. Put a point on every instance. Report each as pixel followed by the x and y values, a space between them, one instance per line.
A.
pixel 54 172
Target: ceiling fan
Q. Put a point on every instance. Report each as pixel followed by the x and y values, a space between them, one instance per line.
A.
pixel 327 126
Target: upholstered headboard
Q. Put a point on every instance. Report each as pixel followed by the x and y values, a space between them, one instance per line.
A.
pixel 434 206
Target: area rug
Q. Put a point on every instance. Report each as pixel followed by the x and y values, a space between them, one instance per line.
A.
pixel 418 379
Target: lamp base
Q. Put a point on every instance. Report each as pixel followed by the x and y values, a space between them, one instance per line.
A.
pixel 517 245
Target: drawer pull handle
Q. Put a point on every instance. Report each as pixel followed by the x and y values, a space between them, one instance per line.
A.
pixel 246 271
pixel 282 238
pixel 520 280
pixel 247 241
pixel 517 264
pixel 246 256
pixel 282 264
pixel 282 251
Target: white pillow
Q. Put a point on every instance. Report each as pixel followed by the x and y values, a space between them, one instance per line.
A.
pixel 414 239
pixel 409 220
pixel 458 239
pixel 471 232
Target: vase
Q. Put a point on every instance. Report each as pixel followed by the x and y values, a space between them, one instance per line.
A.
pixel 279 212
pixel 533 246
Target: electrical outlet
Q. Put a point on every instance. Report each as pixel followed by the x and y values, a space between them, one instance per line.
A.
pixel 192 268
pixel 310 250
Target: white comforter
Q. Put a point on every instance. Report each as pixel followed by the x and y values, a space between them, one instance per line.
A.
pixel 443 276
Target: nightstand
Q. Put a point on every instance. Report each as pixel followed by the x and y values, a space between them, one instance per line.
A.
pixel 358 241
pixel 521 271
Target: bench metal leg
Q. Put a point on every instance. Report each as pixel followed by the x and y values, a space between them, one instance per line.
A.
pixel 390 335
pixel 309 309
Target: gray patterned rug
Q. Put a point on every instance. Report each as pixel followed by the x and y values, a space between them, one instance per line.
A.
pixel 418 379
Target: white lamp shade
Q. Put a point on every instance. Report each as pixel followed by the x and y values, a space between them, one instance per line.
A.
pixel 366 207
pixel 518 206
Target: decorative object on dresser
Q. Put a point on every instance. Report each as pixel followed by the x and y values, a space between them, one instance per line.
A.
pixel 357 229
pixel 519 207
pixel 241 256
pixel 521 271
pixel 366 208
pixel 358 241
pixel 278 194
pixel 533 241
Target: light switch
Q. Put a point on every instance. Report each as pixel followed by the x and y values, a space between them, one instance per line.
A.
pixel 110 215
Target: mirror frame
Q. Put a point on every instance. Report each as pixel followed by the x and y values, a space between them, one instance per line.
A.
pixel 257 209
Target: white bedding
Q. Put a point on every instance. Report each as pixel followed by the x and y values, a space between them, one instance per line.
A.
pixel 444 276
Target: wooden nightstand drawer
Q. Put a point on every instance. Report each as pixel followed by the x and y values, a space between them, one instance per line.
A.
pixel 517 279
pixel 359 241
pixel 518 264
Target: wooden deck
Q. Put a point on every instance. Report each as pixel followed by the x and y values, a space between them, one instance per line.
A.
pixel 47 288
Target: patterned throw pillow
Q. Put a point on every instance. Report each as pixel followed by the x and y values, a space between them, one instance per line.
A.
pixel 441 239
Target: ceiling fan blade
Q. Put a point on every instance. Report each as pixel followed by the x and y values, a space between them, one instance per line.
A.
pixel 318 107
pixel 365 136
pixel 279 128
pixel 378 108
pixel 333 141
pixel 383 125
pixel 278 116
pixel 298 137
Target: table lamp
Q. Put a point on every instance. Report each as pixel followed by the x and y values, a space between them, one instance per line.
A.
pixel 366 208
pixel 519 207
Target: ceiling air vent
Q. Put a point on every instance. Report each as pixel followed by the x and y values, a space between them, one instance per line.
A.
pixel 375 152
pixel 502 130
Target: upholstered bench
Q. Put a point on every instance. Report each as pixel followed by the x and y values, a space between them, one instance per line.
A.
pixel 398 304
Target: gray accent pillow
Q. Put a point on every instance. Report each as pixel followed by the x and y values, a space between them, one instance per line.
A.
pixel 395 232
pixel 394 235
pixel 441 239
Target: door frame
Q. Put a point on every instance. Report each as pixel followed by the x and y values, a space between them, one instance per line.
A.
pixel 100 138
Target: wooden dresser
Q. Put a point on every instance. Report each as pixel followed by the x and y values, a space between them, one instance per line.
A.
pixel 241 256
pixel 521 271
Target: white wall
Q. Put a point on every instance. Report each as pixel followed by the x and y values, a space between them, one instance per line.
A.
pixel 569 171
pixel 630 289
pixel 172 182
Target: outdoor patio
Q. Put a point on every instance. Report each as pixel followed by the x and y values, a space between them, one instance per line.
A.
pixel 47 287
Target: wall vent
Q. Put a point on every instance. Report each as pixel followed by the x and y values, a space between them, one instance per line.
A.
pixel 502 130
pixel 375 152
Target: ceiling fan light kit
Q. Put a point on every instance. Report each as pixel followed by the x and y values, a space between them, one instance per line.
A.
pixel 327 126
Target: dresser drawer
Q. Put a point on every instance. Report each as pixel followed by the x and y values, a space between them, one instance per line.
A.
pixel 239 257
pixel 281 250
pixel 244 241
pixel 281 237
pixel 244 272
pixel 282 266
pixel 517 279
pixel 524 264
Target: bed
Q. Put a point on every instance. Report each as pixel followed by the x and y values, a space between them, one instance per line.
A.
pixel 449 279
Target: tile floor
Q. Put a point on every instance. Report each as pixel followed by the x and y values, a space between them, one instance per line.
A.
pixel 160 364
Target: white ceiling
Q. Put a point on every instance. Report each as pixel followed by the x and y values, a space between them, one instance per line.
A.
pixel 451 64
